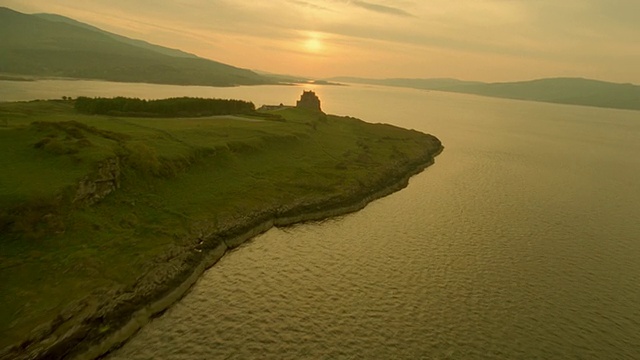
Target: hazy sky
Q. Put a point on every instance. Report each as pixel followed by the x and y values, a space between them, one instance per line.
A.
pixel 490 40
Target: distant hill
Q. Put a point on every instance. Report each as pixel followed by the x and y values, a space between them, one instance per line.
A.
pixel 52 45
pixel 426 84
pixel 576 91
pixel 135 42
pixel 283 78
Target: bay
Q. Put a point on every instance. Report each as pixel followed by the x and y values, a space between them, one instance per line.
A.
pixel 522 241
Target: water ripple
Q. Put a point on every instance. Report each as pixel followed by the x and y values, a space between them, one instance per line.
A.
pixel 519 243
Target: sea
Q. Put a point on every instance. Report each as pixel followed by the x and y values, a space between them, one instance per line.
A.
pixel 522 241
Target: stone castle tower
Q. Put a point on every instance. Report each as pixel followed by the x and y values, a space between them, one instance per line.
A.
pixel 309 100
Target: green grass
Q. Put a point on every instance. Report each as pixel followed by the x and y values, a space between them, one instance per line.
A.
pixel 180 179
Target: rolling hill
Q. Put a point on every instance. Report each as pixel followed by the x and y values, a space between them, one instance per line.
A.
pixel 575 91
pixel 52 45
pixel 124 39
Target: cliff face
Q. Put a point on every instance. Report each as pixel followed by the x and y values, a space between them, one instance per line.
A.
pixel 142 236
pixel 93 329
pixel 93 188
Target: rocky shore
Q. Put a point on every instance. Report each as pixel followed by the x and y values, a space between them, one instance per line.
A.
pixel 92 327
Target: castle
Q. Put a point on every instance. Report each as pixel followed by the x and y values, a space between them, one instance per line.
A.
pixel 309 100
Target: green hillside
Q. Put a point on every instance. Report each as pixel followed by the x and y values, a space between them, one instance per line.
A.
pixel 48 46
pixel 575 91
pixel 124 39
pixel 104 212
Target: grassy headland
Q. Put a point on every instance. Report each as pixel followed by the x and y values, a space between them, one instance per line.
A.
pixel 102 215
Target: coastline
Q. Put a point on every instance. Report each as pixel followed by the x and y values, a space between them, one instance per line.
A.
pixel 89 331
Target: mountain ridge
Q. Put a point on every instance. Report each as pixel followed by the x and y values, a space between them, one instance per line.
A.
pixel 136 42
pixel 561 90
pixel 37 46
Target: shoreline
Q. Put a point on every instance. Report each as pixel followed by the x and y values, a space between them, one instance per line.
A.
pixel 89 331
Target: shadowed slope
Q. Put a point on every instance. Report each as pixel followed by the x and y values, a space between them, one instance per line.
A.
pixel 32 45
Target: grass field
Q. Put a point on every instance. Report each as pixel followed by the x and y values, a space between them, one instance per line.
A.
pixel 179 179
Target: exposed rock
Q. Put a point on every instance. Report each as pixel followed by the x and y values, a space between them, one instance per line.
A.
pixel 93 188
pixel 90 331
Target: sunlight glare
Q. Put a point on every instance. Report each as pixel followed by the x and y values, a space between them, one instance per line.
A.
pixel 313 44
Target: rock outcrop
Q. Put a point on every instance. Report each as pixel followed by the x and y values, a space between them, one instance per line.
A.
pixel 90 329
pixel 92 188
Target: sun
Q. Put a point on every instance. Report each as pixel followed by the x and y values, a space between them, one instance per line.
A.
pixel 313 43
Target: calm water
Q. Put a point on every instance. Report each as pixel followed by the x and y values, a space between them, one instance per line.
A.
pixel 522 241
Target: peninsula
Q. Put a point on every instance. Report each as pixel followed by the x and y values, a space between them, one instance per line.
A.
pixel 112 208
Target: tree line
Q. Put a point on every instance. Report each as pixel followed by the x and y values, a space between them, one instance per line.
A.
pixel 172 107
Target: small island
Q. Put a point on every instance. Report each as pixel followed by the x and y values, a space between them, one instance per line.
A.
pixel 112 208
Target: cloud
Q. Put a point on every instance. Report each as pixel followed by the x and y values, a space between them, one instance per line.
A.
pixel 308 4
pixel 383 9
pixel 596 38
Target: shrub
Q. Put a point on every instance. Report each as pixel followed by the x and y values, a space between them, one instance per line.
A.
pixel 173 107
pixel 143 158
pixel 57 147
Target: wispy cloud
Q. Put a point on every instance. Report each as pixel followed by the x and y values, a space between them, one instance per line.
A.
pixel 383 9
pixel 474 39
pixel 309 4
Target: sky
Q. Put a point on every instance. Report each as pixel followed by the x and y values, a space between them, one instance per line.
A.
pixel 485 40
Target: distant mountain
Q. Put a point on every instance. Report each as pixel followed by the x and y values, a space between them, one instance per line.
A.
pixel 575 91
pixel 135 42
pixel 283 78
pixel 426 84
pixel 51 45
